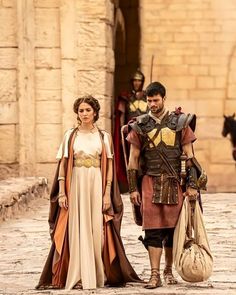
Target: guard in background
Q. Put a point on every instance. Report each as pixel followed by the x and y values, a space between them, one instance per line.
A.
pixel 129 104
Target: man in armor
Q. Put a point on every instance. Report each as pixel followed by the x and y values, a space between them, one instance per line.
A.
pixel 162 170
pixel 129 104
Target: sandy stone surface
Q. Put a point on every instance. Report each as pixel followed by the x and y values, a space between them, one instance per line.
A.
pixel 24 245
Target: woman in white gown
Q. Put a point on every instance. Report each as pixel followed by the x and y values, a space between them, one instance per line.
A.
pixel 87 250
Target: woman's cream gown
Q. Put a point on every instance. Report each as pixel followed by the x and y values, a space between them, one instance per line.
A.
pixel 85 224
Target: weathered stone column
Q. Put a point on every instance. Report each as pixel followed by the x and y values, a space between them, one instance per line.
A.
pixel 25 86
pixel 68 62
pixel 95 59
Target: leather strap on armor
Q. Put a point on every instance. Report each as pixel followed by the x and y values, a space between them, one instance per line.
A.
pixel 132 175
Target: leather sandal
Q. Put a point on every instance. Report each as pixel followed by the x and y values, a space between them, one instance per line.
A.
pixel 168 276
pixel 155 279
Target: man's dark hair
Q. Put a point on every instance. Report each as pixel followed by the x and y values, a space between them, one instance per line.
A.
pixel 155 88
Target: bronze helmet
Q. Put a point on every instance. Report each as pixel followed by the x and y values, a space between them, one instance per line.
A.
pixel 138 75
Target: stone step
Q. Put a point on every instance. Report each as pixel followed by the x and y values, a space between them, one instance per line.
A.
pixel 16 193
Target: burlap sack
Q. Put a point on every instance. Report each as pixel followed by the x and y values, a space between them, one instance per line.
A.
pixel 191 254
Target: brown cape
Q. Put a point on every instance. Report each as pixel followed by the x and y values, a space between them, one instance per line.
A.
pixel 116 265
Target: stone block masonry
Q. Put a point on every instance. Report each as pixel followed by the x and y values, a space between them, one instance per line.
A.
pixel 16 193
pixel 194 48
pixel 52 51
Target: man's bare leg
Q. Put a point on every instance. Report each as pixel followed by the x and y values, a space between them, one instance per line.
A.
pixel 168 275
pixel 155 260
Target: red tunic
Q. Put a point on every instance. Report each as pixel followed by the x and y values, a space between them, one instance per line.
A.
pixel 159 215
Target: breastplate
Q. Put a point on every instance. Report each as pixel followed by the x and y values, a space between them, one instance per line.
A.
pixel 136 107
pixel 164 143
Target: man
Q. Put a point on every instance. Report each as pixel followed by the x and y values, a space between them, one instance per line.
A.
pixel 129 104
pixel 132 103
pixel 161 145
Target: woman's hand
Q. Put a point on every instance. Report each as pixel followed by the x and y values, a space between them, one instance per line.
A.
pixel 107 199
pixel 62 201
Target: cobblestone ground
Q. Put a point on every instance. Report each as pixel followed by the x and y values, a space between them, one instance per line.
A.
pixel 24 245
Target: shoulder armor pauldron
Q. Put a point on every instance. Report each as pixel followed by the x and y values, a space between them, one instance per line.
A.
pixel 173 121
pixel 143 124
pixel 179 121
pixel 143 119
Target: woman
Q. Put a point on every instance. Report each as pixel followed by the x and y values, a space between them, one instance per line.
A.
pixel 86 210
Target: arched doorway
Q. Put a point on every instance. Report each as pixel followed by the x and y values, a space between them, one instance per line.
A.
pixel 126 44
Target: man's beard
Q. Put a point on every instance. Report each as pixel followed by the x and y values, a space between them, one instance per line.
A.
pixel 158 111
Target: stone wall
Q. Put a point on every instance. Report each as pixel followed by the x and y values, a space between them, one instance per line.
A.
pixel 16 194
pixel 51 52
pixel 8 99
pixel 193 43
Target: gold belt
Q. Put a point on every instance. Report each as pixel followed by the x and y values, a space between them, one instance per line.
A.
pixel 87 162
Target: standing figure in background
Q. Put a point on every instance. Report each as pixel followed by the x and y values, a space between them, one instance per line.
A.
pixel 161 142
pixel 86 210
pixel 129 104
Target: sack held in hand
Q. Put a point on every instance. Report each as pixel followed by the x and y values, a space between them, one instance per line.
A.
pixel 191 254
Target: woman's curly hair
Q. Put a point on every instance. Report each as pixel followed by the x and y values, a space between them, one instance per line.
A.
pixel 89 99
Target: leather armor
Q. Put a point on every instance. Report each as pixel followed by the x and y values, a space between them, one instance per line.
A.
pixel 161 152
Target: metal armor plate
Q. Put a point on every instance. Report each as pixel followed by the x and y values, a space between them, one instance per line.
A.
pixel 138 105
pixel 165 135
